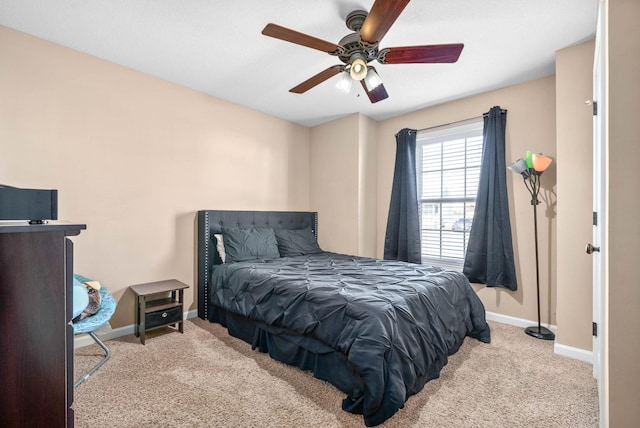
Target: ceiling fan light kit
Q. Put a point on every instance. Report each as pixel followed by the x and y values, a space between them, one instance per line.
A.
pixel 358 69
pixel 345 82
pixel 356 50
pixel 372 80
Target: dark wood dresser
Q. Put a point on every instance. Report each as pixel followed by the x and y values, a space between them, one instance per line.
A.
pixel 36 337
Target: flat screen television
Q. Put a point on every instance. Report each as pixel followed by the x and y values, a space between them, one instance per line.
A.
pixel 34 205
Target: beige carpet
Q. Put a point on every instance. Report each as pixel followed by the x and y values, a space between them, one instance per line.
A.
pixel 204 378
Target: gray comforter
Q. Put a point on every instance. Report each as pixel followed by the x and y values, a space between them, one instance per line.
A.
pixel 396 322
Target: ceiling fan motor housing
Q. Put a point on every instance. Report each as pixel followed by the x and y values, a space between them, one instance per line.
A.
pixel 355 20
pixel 353 47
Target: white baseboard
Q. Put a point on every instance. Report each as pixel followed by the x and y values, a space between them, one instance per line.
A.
pixel 518 322
pixel 575 353
pixel 107 333
pixel 564 350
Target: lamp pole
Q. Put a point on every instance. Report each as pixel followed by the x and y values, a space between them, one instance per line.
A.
pixel 532 184
pixel 531 169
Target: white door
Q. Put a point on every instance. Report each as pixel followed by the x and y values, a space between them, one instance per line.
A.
pixel 595 247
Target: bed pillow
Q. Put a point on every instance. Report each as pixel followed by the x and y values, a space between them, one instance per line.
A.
pixel 249 244
pixel 297 242
pixel 220 246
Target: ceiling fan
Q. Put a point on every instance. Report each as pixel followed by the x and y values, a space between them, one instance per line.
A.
pixel 358 49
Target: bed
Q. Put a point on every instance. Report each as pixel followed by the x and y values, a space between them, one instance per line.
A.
pixel 377 330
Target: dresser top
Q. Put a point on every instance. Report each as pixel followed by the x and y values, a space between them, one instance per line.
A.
pixel 50 226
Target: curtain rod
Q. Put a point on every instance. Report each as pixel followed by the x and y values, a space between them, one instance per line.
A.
pixel 457 121
pixel 450 123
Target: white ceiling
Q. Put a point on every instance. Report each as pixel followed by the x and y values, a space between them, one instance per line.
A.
pixel 215 46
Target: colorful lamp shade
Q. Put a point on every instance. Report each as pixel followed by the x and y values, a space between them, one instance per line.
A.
pixel 520 167
pixel 540 162
pixel 529 158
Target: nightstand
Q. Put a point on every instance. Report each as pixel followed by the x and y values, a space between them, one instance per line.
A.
pixel 154 309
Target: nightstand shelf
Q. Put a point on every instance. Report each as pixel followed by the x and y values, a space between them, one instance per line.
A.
pixel 155 310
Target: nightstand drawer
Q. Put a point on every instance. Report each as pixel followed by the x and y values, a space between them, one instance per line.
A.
pixel 162 317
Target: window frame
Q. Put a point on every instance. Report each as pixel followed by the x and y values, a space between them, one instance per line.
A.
pixel 471 129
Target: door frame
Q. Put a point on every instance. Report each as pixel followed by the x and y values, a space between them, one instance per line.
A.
pixel 600 121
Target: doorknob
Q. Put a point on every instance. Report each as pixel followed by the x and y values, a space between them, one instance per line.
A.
pixel 590 249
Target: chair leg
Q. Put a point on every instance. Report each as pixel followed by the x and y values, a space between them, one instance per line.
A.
pixel 100 363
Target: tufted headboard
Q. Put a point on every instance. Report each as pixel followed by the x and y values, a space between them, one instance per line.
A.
pixel 211 222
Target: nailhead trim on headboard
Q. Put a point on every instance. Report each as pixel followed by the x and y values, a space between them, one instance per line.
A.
pixel 211 222
pixel 206 266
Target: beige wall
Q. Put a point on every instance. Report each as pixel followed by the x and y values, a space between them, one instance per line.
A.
pixel 531 125
pixel 134 157
pixel 335 183
pixel 368 198
pixel 622 252
pixel 343 184
pixel 574 86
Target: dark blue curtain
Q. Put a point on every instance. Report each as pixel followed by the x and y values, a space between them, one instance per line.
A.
pixel 489 257
pixel 402 240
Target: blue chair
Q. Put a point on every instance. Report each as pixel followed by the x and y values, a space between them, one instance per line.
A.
pixel 92 323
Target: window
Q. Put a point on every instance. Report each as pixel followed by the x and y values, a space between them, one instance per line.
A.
pixel 448 171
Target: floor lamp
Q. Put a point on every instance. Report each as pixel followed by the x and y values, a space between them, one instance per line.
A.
pixel 531 168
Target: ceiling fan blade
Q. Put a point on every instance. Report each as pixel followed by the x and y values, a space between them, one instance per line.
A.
pixel 421 54
pixel 317 79
pixel 282 33
pixel 382 15
pixel 376 94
